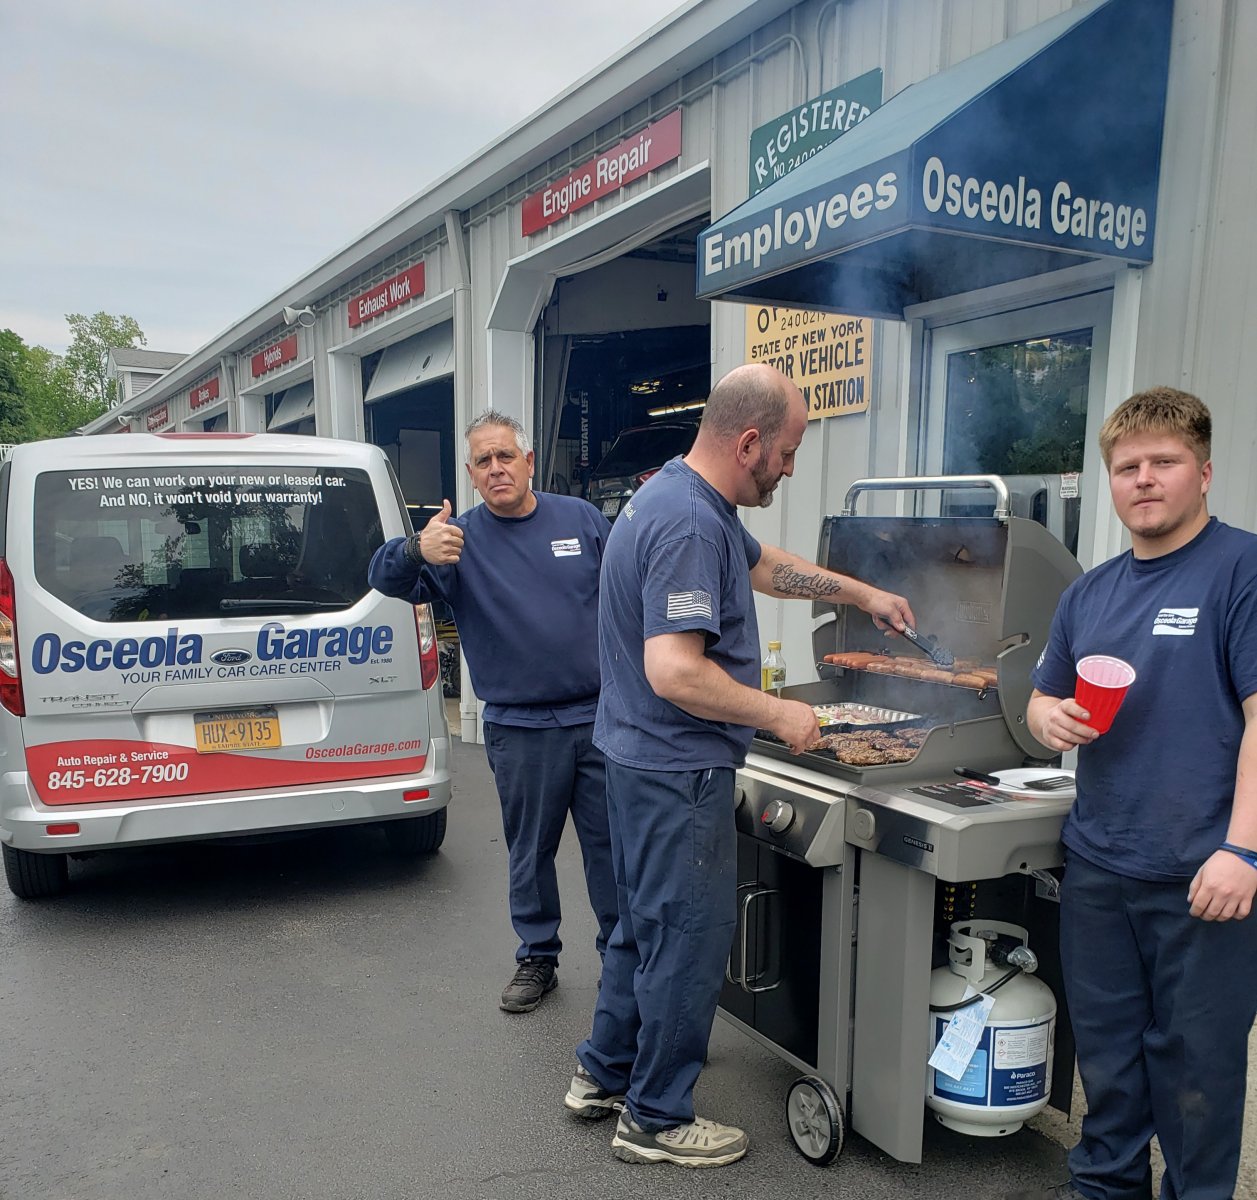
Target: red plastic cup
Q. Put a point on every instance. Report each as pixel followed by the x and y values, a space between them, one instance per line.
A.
pixel 1103 682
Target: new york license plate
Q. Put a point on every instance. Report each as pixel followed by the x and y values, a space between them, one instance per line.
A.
pixel 236 729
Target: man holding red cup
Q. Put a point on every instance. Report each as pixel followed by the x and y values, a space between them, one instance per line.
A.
pixel 1157 943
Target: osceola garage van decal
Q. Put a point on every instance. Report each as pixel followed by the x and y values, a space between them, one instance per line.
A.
pixel 95 772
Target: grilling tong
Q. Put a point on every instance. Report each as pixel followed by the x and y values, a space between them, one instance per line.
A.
pixel 936 654
pixel 1050 783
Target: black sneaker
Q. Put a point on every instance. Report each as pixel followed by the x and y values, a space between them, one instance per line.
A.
pixel 534 977
pixel 587 1098
pixel 701 1143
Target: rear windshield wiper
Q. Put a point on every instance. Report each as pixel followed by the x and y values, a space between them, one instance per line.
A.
pixel 280 604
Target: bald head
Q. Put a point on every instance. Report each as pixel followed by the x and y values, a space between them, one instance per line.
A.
pixel 752 425
pixel 755 396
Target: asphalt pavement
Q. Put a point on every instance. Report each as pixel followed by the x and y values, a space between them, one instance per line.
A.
pixel 313 1019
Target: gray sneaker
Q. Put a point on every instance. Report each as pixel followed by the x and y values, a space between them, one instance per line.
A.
pixel 533 978
pixel 587 1098
pixel 701 1143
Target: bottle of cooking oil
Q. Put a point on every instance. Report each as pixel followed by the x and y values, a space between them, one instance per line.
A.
pixel 773 669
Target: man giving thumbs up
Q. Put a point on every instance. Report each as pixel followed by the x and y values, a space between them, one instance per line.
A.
pixel 520 573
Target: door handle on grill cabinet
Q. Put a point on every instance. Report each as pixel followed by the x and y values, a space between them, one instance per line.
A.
pixel 729 974
pixel 747 982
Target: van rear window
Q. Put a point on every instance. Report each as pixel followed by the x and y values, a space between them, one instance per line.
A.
pixel 141 544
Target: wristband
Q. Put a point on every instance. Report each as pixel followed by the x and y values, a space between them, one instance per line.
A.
pixel 1249 856
pixel 411 551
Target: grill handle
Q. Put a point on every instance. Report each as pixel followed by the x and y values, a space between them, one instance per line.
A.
pixel 743 979
pixel 922 483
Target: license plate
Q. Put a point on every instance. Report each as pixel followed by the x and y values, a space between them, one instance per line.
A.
pixel 236 729
pixel 611 506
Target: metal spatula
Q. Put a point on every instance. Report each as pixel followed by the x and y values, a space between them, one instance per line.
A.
pixel 1049 783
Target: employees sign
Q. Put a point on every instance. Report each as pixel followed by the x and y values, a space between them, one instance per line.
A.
pixel 632 158
pixel 828 357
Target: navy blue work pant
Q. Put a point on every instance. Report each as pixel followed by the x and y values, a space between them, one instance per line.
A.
pixel 673 842
pixel 1161 1004
pixel 541 776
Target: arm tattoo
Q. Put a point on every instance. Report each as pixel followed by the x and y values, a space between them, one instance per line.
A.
pixel 790 582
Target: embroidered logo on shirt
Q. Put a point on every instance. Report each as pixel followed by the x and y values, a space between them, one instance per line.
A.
pixel 1175 622
pixel 565 546
pixel 688 604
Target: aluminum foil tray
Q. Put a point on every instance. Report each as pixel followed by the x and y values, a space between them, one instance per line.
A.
pixel 846 716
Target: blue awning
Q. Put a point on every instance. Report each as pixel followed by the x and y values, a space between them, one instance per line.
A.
pixel 1039 153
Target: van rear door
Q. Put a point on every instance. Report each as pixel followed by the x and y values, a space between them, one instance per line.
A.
pixel 209 623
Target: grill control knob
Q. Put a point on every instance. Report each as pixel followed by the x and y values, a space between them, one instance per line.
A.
pixel 864 824
pixel 778 815
pixel 739 797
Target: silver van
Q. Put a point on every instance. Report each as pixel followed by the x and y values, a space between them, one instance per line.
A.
pixel 189 648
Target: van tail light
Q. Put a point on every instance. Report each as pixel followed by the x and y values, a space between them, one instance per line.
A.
pixel 10 673
pixel 645 475
pixel 429 660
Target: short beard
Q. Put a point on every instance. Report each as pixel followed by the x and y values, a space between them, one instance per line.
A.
pixel 765 485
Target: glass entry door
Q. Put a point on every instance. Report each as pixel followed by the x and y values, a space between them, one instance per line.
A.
pixel 1020 395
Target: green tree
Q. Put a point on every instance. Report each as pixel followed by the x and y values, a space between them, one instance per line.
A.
pixel 39 397
pixel 14 416
pixel 55 404
pixel 88 354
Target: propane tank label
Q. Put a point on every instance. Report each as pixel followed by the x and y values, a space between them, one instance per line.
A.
pixel 1010 1067
pixel 961 1035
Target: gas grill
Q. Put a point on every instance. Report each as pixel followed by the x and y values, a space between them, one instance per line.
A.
pixel 850 872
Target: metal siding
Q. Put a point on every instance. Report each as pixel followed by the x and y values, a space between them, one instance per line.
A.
pixel 1199 300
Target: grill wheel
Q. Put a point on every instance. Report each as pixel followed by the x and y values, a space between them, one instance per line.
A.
pixel 815 1119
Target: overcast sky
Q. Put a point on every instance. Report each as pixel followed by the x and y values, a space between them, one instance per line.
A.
pixel 182 162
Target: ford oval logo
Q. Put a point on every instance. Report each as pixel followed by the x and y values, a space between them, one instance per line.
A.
pixel 227 658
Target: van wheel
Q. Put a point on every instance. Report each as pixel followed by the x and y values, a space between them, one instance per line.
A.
pixel 415 835
pixel 35 876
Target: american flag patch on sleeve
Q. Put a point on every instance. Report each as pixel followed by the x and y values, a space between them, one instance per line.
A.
pixel 682 605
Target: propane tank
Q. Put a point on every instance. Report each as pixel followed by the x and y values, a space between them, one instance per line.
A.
pixel 1010 1075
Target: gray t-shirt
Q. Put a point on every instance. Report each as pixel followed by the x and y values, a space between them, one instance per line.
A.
pixel 678 560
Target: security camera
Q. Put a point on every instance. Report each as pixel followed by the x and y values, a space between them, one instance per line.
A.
pixel 123 420
pixel 299 316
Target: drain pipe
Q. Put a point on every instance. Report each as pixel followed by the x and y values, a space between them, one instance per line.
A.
pixel 469 708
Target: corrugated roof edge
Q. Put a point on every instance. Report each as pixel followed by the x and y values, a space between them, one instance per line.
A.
pixel 668 49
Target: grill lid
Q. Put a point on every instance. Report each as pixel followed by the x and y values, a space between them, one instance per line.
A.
pixel 985 587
